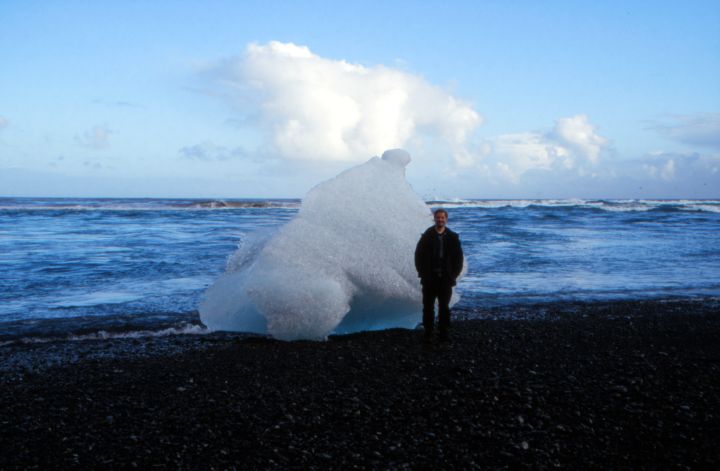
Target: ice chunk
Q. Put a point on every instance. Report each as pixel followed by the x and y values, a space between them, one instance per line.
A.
pixel 397 157
pixel 343 264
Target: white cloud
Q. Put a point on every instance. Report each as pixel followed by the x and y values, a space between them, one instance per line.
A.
pixel 312 108
pixel 330 110
pixel 701 129
pixel 98 137
pixel 517 153
pixel 318 109
pixel 578 134
pixel 208 150
pixel 656 175
pixel 664 171
pixel 676 166
pixel 572 145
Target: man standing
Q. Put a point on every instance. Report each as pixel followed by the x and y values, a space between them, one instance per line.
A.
pixel 439 261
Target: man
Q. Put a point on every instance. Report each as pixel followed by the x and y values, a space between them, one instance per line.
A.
pixel 439 261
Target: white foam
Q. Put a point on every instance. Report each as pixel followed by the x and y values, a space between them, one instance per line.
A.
pixel 706 207
pixel 188 329
pixel 605 205
pixel 153 205
pixel 343 264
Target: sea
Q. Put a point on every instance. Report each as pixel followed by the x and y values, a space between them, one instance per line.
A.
pixel 103 267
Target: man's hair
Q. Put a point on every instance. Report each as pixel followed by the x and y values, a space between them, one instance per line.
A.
pixel 440 210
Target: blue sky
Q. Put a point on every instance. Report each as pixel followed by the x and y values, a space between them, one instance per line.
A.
pixel 265 99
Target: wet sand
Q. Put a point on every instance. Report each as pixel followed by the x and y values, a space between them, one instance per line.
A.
pixel 626 385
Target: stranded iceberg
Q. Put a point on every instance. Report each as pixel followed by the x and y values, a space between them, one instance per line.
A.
pixel 345 263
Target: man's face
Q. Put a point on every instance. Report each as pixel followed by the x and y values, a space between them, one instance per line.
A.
pixel 440 219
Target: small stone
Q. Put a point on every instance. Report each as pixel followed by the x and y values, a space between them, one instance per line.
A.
pixel 524 445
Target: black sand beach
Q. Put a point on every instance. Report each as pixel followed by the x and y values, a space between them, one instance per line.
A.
pixel 624 385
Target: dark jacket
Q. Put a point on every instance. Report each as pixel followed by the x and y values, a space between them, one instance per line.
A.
pixel 425 255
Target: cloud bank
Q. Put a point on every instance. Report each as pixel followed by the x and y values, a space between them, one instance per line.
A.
pixel 310 109
pixel 701 129
pixel 317 109
pixel 572 145
pixel 322 109
pixel 675 166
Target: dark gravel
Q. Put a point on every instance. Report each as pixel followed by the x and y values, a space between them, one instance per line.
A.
pixel 632 385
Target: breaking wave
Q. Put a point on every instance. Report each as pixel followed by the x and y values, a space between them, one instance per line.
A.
pixel 149 204
pixel 624 205
pixel 140 204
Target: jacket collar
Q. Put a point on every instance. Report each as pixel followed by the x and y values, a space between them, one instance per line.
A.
pixel 431 230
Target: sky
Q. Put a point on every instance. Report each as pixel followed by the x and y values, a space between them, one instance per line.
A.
pixel 228 99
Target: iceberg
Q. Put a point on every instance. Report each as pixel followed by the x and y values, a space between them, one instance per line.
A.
pixel 344 263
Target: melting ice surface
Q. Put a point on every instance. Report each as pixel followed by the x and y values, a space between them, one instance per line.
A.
pixel 343 264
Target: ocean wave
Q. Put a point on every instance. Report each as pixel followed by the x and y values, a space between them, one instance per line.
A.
pixel 223 204
pixel 624 205
pixel 146 204
pixel 143 204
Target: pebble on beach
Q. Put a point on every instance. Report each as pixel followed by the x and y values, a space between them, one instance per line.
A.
pixel 615 385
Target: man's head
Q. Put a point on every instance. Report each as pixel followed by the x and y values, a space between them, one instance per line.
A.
pixel 441 217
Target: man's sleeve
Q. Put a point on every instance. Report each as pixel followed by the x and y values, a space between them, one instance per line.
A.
pixel 459 258
pixel 418 256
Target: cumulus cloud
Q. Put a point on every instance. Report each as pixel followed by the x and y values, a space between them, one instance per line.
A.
pixel 208 151
pixel 665 171
pixel 702 129
pixel 572 145
pixel 577 134
pixel 323 109
pixel 521 152
pixel 674 166
pixel 98 137
pixel 318 109
pixel 312 108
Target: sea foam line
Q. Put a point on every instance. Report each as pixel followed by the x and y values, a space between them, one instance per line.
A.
pixel 191 329
pixel 606 205
pixel 213 205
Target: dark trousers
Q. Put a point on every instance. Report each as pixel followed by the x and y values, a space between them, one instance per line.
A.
pixel 439 288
